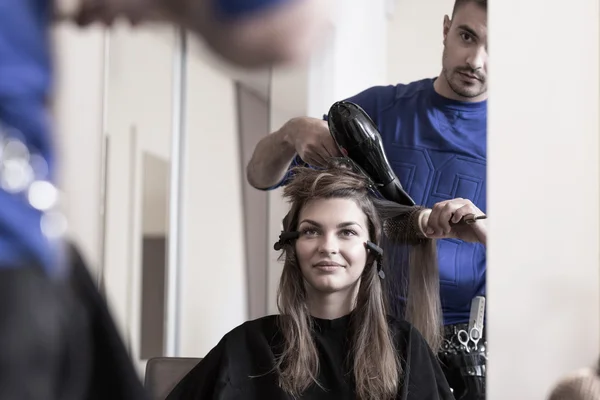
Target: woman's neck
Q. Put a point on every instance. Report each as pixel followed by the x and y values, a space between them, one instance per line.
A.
pixel 331 305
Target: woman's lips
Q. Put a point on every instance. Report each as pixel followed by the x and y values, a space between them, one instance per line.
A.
pixel 328 265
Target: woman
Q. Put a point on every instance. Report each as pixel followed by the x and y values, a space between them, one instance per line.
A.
pixel 333 339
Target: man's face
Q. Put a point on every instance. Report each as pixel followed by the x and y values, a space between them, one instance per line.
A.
pixel 464 63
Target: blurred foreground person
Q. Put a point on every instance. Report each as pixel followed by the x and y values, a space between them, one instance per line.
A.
pixel 57 338
pixel 582 384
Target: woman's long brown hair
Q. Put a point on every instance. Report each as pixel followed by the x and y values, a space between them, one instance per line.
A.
pixel 375 365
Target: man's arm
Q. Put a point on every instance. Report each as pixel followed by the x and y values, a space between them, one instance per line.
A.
pixel 305 137
pixel 254 33
pixel 271 159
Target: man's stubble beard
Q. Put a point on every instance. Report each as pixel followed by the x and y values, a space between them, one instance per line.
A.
pixel 456 88
pixel 462 91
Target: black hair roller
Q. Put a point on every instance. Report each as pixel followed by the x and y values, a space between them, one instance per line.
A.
pixel 284 238
pixel 378 257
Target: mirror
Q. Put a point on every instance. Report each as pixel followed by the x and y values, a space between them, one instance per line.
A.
pixel 180 297
pixel 119 105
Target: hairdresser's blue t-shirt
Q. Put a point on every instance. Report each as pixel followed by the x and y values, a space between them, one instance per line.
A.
pixel 25 84
pixel 437 148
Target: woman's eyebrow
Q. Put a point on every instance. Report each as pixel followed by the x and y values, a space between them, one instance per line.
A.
pixel 340 225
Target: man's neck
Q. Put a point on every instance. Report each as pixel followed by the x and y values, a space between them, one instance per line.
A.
pixel 331 305
pixel 441 86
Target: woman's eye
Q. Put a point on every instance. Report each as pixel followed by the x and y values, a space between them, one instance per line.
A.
pixel 309 232
pixel 348 232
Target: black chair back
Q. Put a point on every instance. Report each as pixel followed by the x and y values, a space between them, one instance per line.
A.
pixel 164 373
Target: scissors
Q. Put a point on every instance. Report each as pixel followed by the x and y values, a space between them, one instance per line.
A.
pixel 464 337
pixel 469 219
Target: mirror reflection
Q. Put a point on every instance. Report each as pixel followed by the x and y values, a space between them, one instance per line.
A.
pixel 288 199
pixel 404 279
pixel 423 143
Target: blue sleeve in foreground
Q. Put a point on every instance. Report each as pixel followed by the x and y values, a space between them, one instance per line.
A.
pixel 230 9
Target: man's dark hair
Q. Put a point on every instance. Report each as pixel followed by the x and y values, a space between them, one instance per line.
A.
pixel 460 3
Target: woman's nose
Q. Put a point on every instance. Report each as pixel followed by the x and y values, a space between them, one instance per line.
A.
pixel 329 244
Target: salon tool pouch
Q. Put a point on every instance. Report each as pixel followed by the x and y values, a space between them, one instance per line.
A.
pixel 473 371
pixel 466 374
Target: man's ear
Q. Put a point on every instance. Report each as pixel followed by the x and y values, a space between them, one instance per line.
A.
pixel 446 27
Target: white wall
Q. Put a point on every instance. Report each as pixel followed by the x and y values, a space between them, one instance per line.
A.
pixel 155 196
pixel 543 257
pixel 79 65
pixel 253 122
pixel 415 35
pixel 358 48
pixel 138 115
pixel 214 278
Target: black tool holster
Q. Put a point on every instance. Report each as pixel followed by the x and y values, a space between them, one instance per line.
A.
pixel 464 370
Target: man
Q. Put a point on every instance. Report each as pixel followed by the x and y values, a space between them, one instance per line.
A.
pixel 434 135
pixel 57 339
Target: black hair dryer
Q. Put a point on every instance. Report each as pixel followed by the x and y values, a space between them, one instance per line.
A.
pixel 357 138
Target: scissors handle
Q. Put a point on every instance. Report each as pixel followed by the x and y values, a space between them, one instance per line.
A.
pixel 469 219
pixel 464 337
pixel 475 336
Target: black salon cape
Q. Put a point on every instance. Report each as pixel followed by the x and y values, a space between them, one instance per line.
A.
pixel 228 370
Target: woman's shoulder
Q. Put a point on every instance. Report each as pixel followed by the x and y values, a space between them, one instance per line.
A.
pixel 405 333
pixel 258 329
pixel 240 353
pixel 257 324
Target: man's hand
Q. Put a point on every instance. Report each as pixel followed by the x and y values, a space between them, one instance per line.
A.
pixel 106 12
pixel 312 140
pixel 441 222
pixel 280 34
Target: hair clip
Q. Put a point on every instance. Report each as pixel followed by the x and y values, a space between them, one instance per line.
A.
pixel 380 270
pixel 378 257
pixel 374 248
pixel 284 238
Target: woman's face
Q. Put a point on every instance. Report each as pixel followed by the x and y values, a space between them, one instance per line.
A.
pixel 331 248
